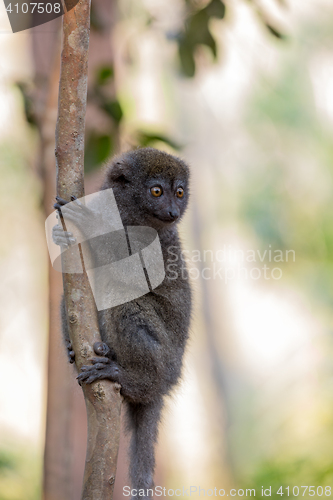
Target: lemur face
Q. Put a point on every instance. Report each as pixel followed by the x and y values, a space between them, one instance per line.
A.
pixel 151 187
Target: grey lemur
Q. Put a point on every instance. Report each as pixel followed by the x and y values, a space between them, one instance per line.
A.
pixel 144 340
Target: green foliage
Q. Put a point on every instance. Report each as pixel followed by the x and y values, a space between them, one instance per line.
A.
pixel 98 148
pixel 264 207
pixel 196 33
pixel 113 109
pixel 96 23
pixel 7 461
pixel 291 472
pixel 275 32
pixel 20 475
pixel 287 191
pixel 145 139
pixel 104 75
pixel 186 56
pixel 287 102
pixel 99 144
pixel 28 102
pixel 215 8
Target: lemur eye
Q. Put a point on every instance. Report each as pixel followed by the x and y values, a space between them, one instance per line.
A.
pixel 180 192
pixel 156 191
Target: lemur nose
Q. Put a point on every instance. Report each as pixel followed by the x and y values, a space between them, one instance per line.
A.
pixel 173 214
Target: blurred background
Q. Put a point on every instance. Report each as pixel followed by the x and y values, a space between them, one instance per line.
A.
pixel 243 90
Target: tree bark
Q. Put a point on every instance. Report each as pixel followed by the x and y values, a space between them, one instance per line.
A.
pixel 103 400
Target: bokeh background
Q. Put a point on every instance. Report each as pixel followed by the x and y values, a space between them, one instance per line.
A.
pixel 243 90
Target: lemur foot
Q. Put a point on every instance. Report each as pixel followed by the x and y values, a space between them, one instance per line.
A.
pixel 70 352
pixel 101 368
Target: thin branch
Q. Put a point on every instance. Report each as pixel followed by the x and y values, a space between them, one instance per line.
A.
pixel 103 401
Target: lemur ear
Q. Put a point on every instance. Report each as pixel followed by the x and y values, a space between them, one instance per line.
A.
pixel 120 172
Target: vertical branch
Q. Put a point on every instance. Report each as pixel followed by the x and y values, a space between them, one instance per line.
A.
pixel 102 398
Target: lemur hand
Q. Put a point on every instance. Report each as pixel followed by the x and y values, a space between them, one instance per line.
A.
pixel 61 237
pixel 83 217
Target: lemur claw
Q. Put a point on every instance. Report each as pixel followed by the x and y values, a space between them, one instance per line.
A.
pixel 99 371
pixel 70 352
pixel 101 368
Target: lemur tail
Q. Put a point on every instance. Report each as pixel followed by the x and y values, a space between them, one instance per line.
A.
pixel 143 422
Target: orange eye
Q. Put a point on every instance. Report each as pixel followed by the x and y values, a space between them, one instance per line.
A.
pixel 156 191
pixel 180 192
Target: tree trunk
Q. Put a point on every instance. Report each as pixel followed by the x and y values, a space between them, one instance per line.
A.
pixel 103 401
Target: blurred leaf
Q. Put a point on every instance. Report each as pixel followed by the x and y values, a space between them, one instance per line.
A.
pixel 197 32
pixel 29 108
pixel 272 29
pixel 7 461
pixel 150 20
pixel 186 57
pixel 113 109
pixel 104 75
pixel 145 139
pixel 216 8
pixel 98 149
pixel 275 32
pixel 20 474
pixel 96 22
